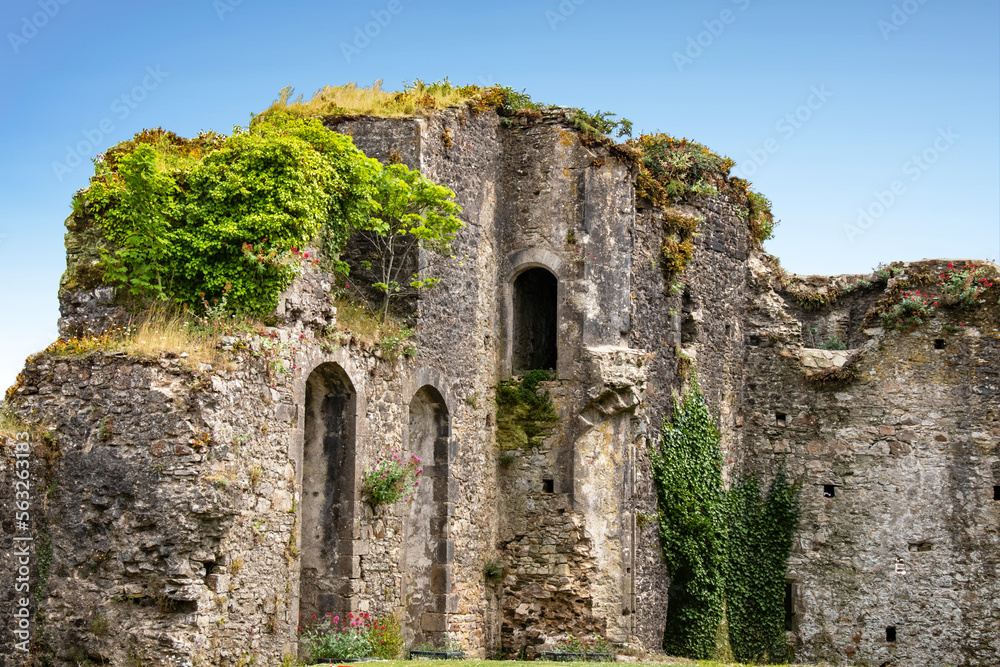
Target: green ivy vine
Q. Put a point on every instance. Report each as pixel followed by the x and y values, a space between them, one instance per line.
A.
pixel 760 529
pixel 687 469
pixel 726 551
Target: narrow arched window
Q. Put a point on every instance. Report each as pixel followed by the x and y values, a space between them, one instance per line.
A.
pixel 535 306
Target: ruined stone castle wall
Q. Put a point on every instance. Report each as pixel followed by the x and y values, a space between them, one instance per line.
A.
pixel 907 446
pixel 193 512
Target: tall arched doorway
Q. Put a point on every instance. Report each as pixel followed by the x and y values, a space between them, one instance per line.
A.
pixel 535 304
pixel 328 505
pixel 427 548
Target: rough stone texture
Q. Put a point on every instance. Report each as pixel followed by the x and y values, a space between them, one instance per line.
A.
pixel 910 537
pixel 193 513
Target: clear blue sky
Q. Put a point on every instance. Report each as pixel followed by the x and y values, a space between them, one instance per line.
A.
pixel 825 103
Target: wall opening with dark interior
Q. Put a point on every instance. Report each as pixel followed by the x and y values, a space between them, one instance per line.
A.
pixel 790 624
pixel 328 507
pixel 535 326
pixel 890 633
pixel 427 548
pixel 996 493
pixel 689 327
pixel 829 491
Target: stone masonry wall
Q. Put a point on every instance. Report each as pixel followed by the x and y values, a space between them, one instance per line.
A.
pixel 168 513
pixel 909 450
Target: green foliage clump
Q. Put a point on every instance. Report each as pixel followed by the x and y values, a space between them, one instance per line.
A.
pixel 229 224
pixel 330 639
pixel 760 532
pixel 687 469
pixel 525 413
pixel 600 124
pixel 674 168
pixel 833 343
pixel 761 219
pixel 220 220
pixel 386 637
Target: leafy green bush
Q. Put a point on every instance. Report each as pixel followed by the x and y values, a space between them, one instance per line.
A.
pixel 230 223
pixel 525 413
pixel 687 470
pixel 330 639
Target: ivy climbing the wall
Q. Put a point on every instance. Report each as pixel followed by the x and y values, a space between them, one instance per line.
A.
pixel 687 469
pixel 726 551
pixel 760 538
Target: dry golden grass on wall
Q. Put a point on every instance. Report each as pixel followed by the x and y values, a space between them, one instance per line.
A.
pixel 418 98
pixel 157 333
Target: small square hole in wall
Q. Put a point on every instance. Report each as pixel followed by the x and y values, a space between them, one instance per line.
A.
pixel 780 419
pixel 890 633
pixel 996 493
pixel 939 344
pixel 548 486
pixel 829 490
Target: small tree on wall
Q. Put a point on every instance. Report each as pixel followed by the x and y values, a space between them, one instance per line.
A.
pixel 412 212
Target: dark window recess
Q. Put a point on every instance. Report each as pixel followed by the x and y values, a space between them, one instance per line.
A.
pixel 780 418
pixel 535 305
pixel 996 493
pixel 890 633
pixel 939 344
pixel 829 490
pixel 921 546
pixel 789 608
pixel 689 327
pixel 549 485
pixel 755 341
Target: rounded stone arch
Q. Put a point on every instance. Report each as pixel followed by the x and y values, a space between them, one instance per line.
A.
pixel 428 550
pixel 328 474
pixel 533 292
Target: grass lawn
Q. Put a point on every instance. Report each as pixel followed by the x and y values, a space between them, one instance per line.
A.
pixel 657 660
